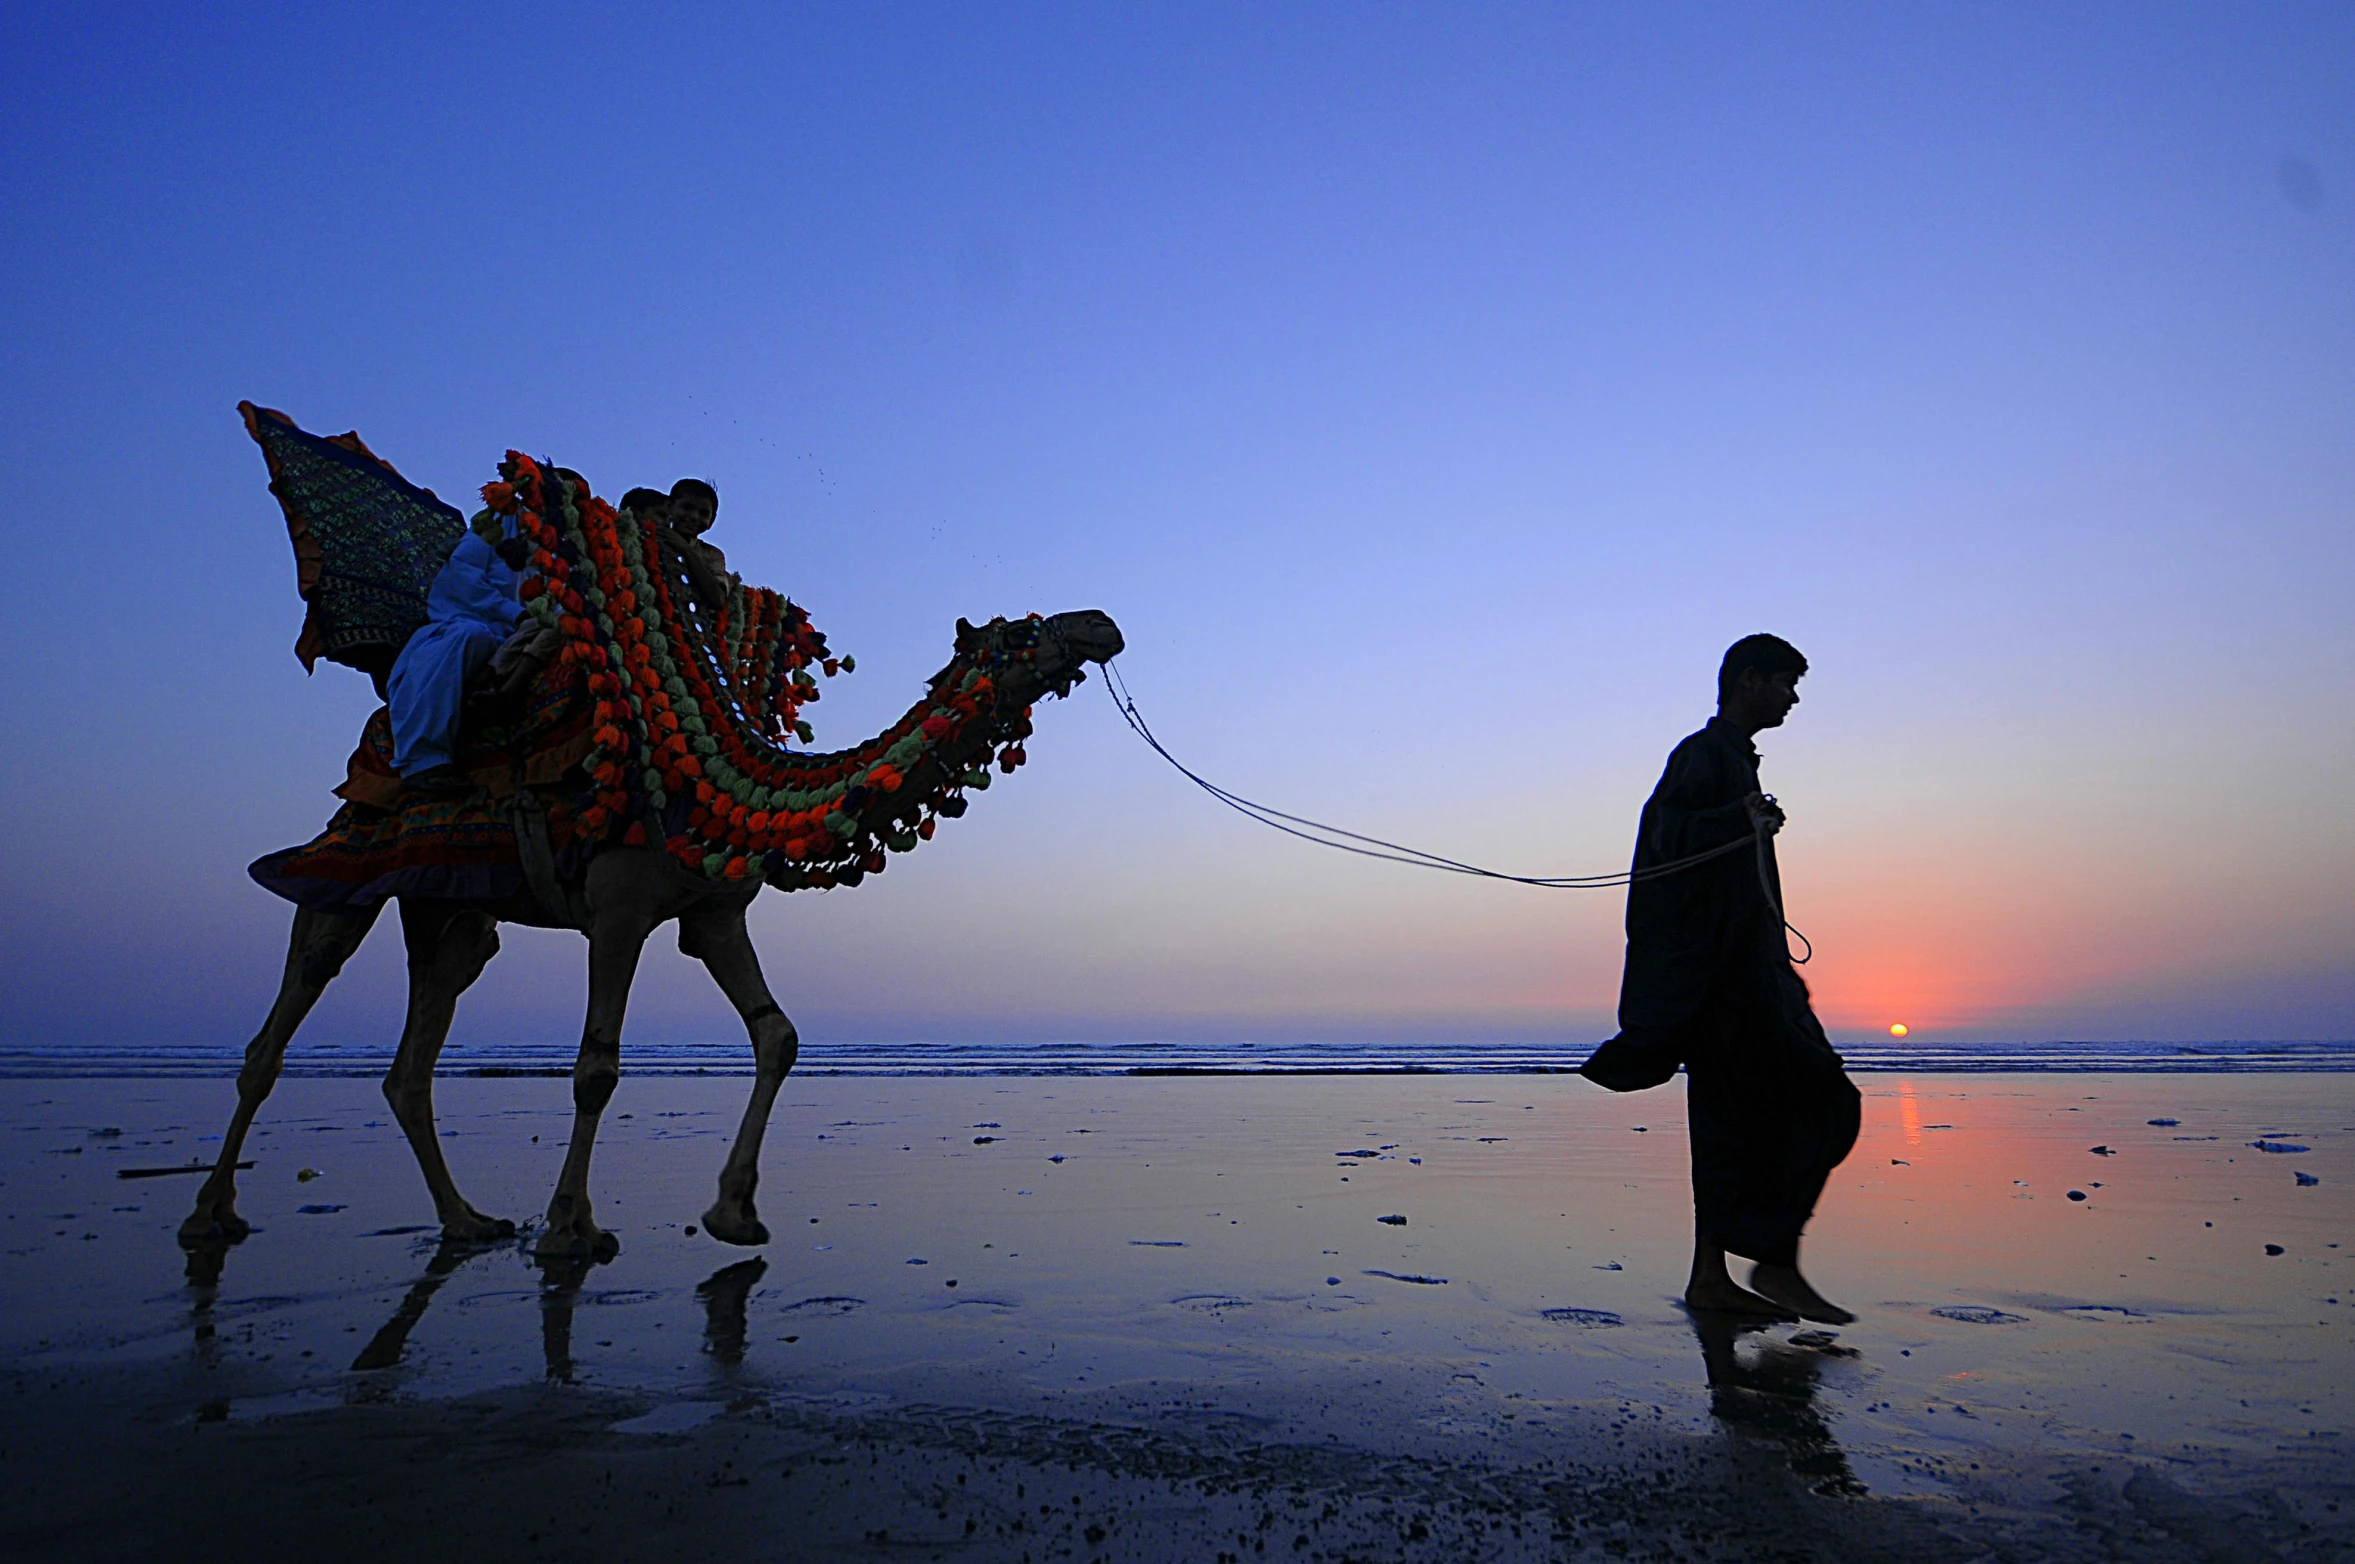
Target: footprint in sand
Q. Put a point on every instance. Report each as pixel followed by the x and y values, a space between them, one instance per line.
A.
pixel 1977 1314
pixel 1585 1319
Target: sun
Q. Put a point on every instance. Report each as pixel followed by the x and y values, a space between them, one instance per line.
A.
pixel 1897 1030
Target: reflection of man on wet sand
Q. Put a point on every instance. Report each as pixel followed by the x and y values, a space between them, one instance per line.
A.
pixel 1709 984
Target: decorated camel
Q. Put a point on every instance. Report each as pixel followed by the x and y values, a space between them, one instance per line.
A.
pixel 626 767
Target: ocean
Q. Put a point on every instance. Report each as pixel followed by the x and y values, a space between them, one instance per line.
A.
pixel 733 1057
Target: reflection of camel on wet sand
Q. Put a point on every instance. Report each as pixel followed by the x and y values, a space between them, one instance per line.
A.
pixel 627 892
pixel 726 1296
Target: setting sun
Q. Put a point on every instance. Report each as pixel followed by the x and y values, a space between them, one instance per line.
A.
pixel 1898 1030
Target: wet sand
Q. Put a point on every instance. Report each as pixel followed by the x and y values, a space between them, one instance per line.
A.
pixel 1003 1319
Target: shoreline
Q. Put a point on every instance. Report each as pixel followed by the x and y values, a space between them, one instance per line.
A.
pixel 2340 1061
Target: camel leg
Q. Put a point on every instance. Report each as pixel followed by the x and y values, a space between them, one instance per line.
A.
pixel 714 933
pixel 316 951
pixel 448 948
pixel 617 934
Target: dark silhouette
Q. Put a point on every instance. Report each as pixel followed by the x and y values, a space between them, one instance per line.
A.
pixel 1709 985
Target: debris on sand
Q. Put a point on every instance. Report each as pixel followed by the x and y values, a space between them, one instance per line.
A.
pixel 2164 1124
pixel 1391 1221
pixel 2279 1148
pixel 1419 1281
pixel 2101 1151
pixel 2307 1180
pixel 1357 1153
pixel 2275 1249
pixel 2077 1194
pixel 316 1210
pixel 193 1167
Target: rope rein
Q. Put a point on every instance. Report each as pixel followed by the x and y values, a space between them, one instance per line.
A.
pixel 1323 835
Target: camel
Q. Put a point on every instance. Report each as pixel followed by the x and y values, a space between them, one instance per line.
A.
pixel 625 894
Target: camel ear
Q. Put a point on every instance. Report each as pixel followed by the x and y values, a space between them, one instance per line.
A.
pixel 967 636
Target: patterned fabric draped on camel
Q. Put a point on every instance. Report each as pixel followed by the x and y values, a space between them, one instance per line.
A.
pixel 367 542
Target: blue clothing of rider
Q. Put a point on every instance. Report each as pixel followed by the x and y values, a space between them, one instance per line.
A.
pixel 472 608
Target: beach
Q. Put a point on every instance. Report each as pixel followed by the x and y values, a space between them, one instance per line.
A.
pixel 1317 1317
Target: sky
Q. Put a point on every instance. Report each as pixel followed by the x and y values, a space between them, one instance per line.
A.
pixel 1431 394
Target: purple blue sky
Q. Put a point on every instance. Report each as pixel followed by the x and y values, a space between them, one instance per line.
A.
pixel 1431 393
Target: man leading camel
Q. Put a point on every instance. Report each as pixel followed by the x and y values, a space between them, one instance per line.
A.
pixel 1709 984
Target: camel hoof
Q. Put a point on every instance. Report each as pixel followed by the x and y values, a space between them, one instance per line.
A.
pixel 475 1228
pixel 595 1245
pixel 206 1228
pixel 735 1228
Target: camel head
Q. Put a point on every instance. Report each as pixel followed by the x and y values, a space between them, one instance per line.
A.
pixel 1046 654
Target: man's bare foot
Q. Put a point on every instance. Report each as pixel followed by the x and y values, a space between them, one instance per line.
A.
pixel 1722 1295
pixel 1787 1287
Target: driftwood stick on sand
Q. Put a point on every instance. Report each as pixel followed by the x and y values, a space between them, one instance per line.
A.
pixel 193 1167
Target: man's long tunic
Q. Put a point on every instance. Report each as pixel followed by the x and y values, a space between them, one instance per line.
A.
pixel 473 607
pixel 1709 982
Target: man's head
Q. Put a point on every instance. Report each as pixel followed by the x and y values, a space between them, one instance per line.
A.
pixel 645 504
pixel 1757 684
pixel 695 505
